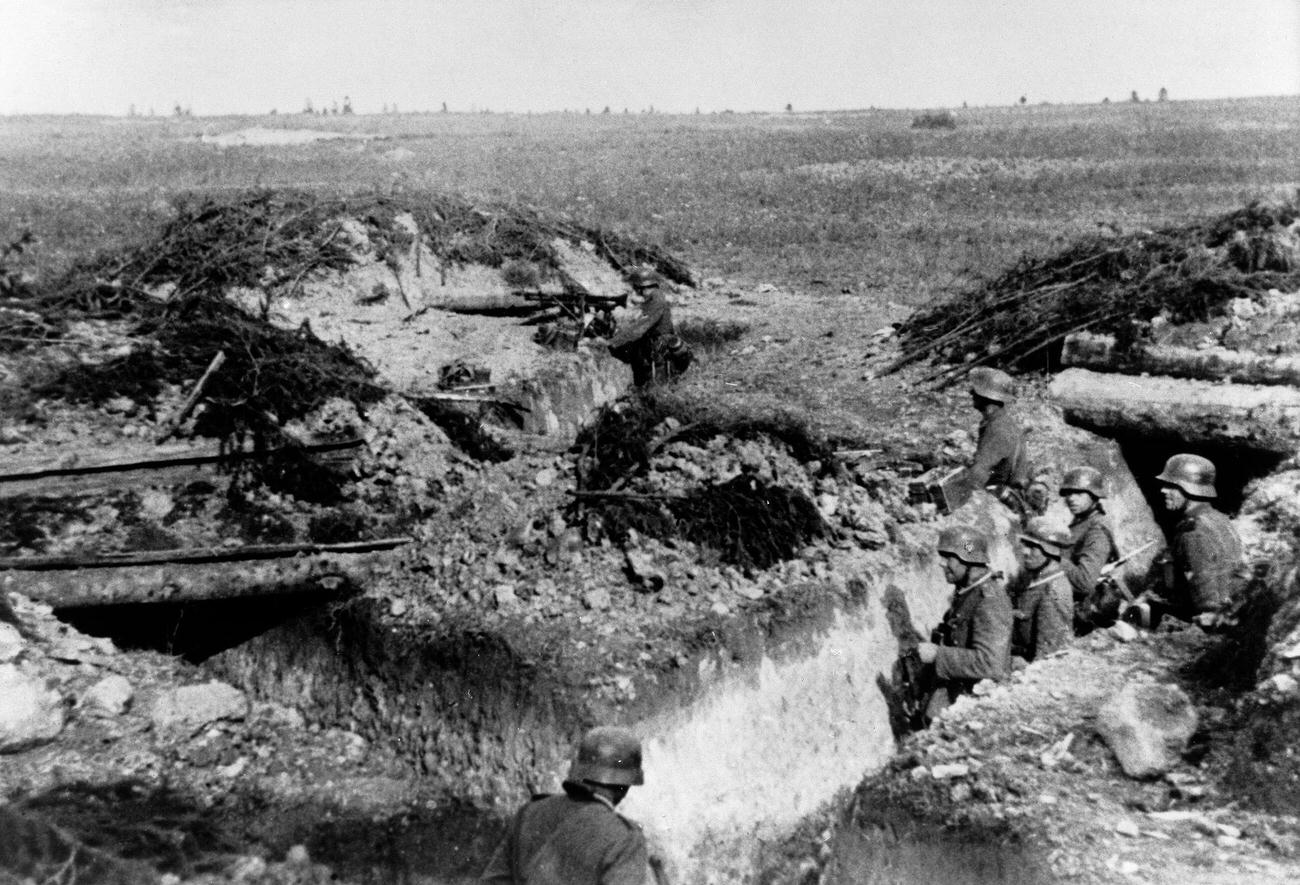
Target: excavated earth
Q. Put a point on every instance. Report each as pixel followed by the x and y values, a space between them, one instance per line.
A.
pixel 384 730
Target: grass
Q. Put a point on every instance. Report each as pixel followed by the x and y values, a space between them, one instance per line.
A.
pixel 848 201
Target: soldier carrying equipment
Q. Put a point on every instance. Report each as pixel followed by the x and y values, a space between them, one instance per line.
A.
pixel 1092 545
pixel 649 342
pixel 1001 462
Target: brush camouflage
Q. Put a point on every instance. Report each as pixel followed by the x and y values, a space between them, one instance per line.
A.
pixel 966 544
pixel 1192 474
pixel 608 754
pixel 1045 534
pixel 1084 479
pixel 992 384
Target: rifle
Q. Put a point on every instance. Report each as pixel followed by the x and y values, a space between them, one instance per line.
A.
pixel 1107 575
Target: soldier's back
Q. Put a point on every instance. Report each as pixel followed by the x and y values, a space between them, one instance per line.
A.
pixel 568 840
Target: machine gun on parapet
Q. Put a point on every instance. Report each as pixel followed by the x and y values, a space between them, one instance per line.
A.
pixel 1112 598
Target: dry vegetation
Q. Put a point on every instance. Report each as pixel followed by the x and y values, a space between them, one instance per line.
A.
pixel 907 213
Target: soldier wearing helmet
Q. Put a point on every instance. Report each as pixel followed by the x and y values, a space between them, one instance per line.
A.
pixel 1205 556
pixel 649 342
pixel 973 641
pixel 1001 462
pixel 1044 606
pixel 577 838
pixel 1092 546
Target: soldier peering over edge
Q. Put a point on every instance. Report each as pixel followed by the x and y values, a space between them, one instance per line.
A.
pixel 1001 463
pixel 649 342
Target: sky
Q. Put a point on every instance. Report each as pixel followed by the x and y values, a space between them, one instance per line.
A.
pixel 251 56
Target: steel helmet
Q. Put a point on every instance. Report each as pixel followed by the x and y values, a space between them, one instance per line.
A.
pixel 966 544
pixel 608 754
pixel 1084 479
pixel 643 278
pixel 1191 473
pixel 992 384
pixel 1047 535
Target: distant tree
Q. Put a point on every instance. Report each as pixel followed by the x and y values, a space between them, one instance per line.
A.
pixel 606 111
pixel 274 112
pixel 347 105
pixel 1024 99
pixel 307 107
pixel 444 107
pixel 1133 97
pixel 1106 100
pixel 789 107
pixel 1164 94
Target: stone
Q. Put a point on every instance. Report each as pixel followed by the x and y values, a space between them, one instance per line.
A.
pixel 110 696
pixel 1147 726
pixel 545 477
pixel 1128 828
pixel 11 643
pixel 31 714
pixel 827 505
pixel 191 707
pixel 1123 631
pixel 503 596
pixel 644 571
pixel 597 598
pixel 1282 683
pixel 955 769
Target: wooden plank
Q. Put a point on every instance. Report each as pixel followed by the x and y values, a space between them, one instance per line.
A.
pixel 192 555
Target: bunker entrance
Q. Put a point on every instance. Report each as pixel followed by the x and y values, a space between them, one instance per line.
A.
pixel 194 630
pixel 1236 467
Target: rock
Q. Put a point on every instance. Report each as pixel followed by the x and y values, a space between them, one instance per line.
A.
pixel 191 707
pixel 1123 631
pixel 644 571
pixel 955 769
pixel 719 608
pixel 11 643
pixel 827 505
pixel 1282 683
pixel 597 598
pixel 110 696
pixel 30 713
pixel 545 477
pixel 1128 828
pixel 397 607
pixel 278 715
pixel 748 589
pixel 1147 726
pixel 503 596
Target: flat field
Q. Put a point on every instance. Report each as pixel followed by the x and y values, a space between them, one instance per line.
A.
pixel 851 202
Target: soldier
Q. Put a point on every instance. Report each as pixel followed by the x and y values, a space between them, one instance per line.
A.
pixel 1044 612
pixel 974 640
pixel 578 838
pixel 649 343
pixel 1001 463
pixel 1204 560
pixel 1092 546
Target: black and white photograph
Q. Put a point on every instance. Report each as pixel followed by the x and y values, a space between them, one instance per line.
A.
pixel 649 442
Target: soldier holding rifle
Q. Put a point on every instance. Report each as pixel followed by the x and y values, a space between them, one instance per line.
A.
pixel 973 641
pixel 1092 546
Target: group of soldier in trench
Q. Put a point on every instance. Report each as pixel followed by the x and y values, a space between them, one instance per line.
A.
pixel 1069 583
pixel 1068 586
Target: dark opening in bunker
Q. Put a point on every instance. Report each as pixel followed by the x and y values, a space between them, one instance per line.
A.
pixel 1236 466
pixel 194 631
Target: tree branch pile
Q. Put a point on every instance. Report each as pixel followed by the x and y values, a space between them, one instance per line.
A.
pixel 1104 284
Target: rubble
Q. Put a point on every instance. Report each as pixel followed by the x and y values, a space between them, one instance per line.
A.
pixel 1147 726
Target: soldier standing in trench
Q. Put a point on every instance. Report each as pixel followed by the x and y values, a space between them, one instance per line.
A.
pixel 1001 463
pixel 1044 606
pixel 577 838
pixel 1092 546
pixel 973 641
pixel 1203 565
pixel 649 342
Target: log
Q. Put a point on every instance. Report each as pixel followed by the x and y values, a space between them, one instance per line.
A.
pixel 1100 353
pixel 171 583
pixel 192 555
pixel 1253 416
pixel 192 400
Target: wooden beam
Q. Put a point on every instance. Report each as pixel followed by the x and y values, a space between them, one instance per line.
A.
pixel 1264 418
pixel 1100 353
pixel 192 555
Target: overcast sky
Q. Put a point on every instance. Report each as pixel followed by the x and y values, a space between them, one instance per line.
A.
pixel 230 56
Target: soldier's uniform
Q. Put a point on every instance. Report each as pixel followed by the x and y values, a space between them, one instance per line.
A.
pixel 1092 546
pixel 974 642
pixel 1001 462
pixel 1044 615
pixel 572 839
pixel 649 342
pixel 1206 556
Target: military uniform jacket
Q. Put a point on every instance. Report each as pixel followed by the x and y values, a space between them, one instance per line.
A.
pixel 1044 616
pixel 1092 545
pixel 1207 559
pixel 976 635
pixel 654 322
pixel 1000 455
pixel 570 839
